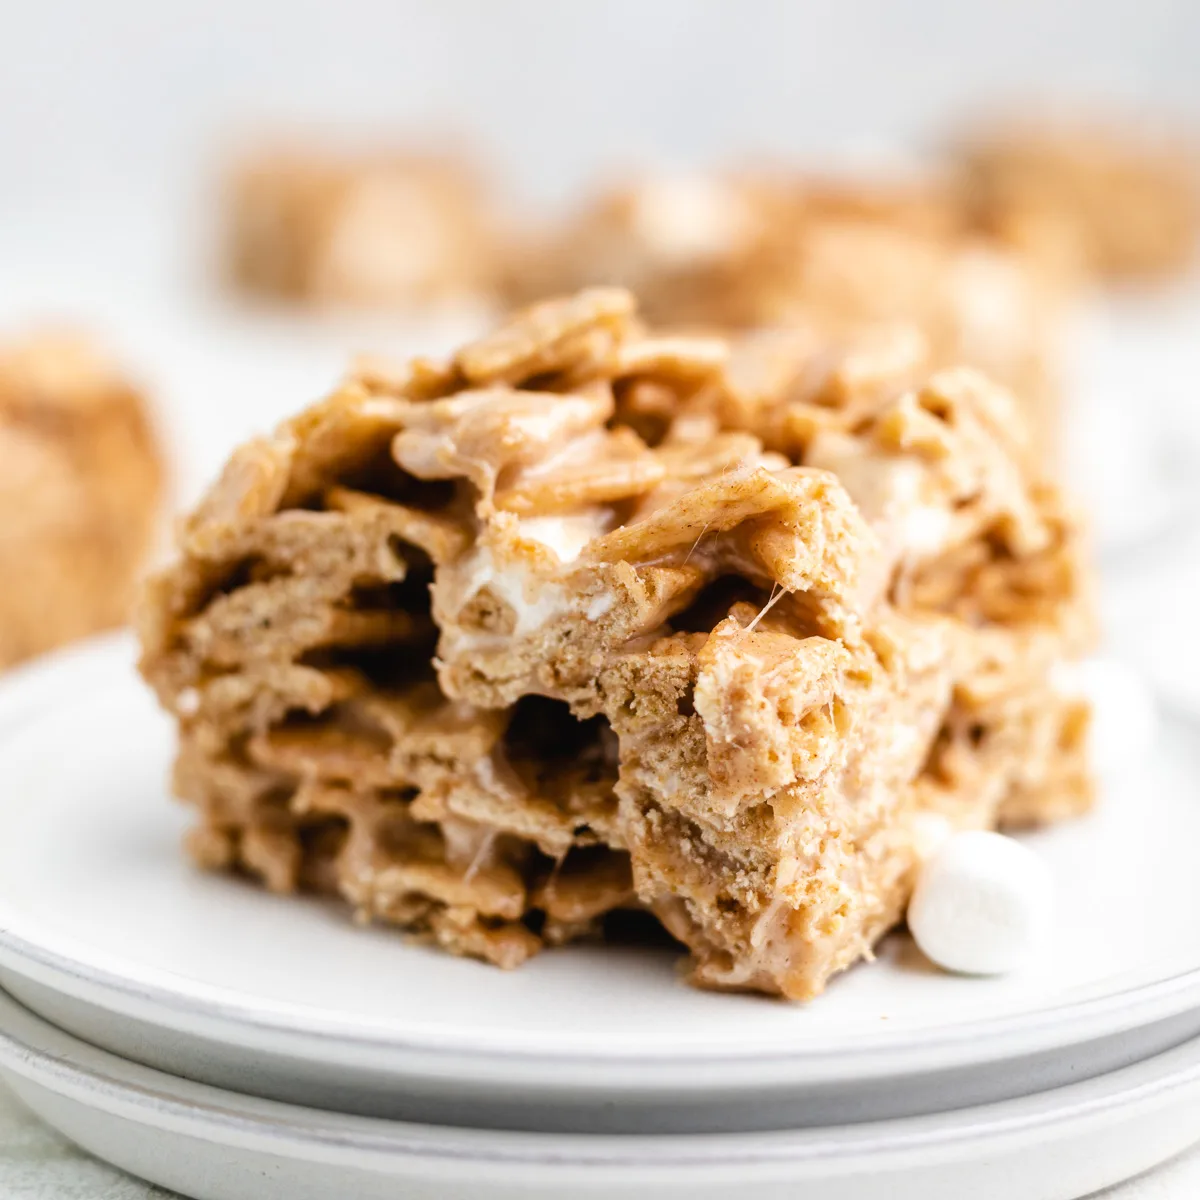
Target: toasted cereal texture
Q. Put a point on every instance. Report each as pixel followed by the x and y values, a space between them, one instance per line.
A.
pixel 370 230
pixel 754 250
pixel 80 485
pixel 1109 202
pixel 588 617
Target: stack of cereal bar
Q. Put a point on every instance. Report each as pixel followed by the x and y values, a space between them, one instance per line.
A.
pixel 585 618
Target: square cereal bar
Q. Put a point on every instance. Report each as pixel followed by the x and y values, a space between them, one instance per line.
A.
pixel 585 618
pixel 80 485
pixel 1110 202
pixel 358 229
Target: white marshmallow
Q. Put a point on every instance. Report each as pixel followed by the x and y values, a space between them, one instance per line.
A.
pixel 1124 719
pixel 982 904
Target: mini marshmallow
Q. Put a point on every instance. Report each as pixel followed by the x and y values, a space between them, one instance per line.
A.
pixel 1124 719
pixel 982 904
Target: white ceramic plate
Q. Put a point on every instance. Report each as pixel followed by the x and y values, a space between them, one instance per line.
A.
pixel 106 931
pixel 217 1145
pixel 33 686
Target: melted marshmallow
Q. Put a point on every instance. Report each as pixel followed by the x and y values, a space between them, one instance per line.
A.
pixel 534 600
pixel 925 529
pixel 566 536
pixel 890 493
pixel 685 218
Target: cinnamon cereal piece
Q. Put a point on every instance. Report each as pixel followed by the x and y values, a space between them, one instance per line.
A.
pixel 553 336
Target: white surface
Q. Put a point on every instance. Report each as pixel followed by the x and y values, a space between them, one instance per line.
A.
pixel 1124 712
pixel 983 904
pixel 193 971
pixel 220 1146
pixel 551 89
pixel 1131 428
pixel 1151 607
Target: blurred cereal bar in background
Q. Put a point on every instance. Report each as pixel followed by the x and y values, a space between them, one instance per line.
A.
pixel 729 251
pixel 690 245
pixel 327 227
pixel 1109 201
pixel 80 486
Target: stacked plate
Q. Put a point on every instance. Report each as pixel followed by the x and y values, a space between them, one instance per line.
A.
pixel 231 1044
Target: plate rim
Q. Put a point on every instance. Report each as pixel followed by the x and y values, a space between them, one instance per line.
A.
pixel 78 1070
pixel 174 1002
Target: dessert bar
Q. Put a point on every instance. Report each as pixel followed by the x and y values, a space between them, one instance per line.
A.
pixel 358 230
pixel 586 618
pixel 1103 201
pixel 80 484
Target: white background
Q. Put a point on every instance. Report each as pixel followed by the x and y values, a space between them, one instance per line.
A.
pixel 128 91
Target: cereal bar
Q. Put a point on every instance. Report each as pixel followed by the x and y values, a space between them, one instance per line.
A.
pixel 365 230
pixel 586 618
pixel 80 485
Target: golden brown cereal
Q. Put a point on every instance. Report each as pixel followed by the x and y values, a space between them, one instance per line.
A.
pixel 80 485
pixel 328 228
pixel 752 250
pixel 489 664
pixel 1110 202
